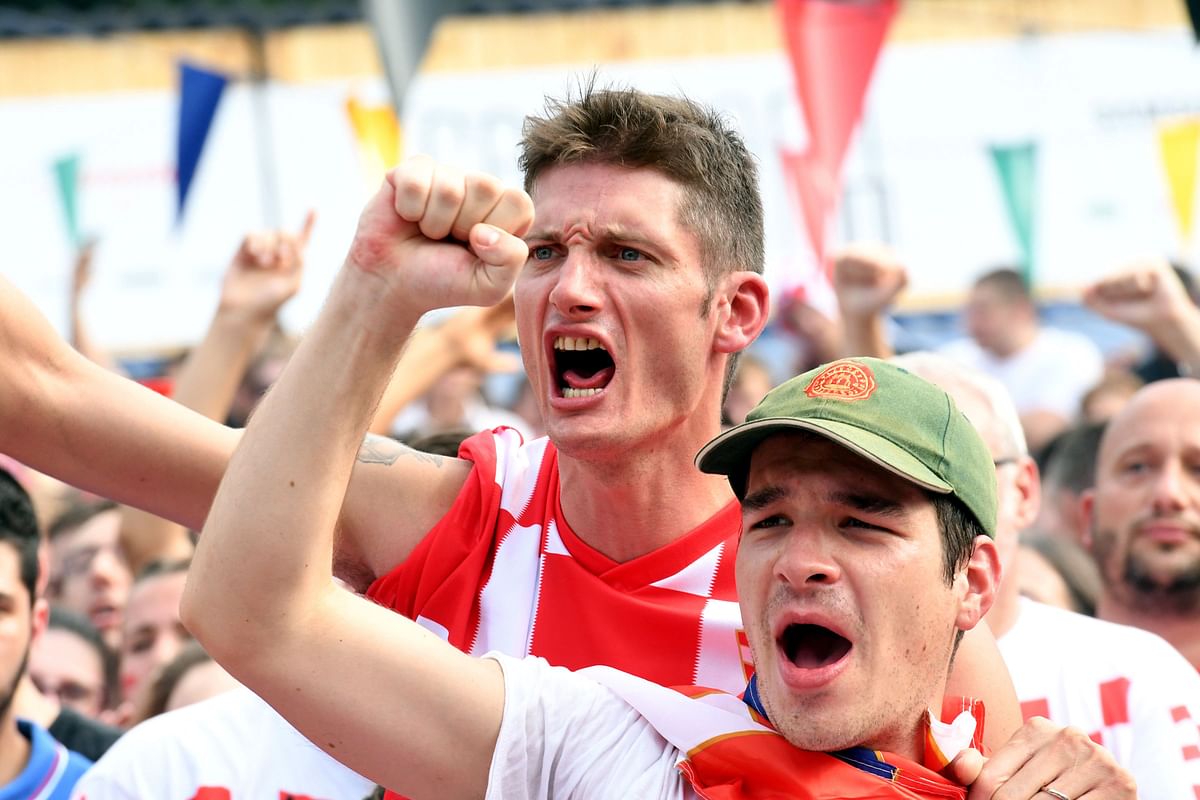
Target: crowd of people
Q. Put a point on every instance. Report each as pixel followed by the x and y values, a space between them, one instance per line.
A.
pixel 973 573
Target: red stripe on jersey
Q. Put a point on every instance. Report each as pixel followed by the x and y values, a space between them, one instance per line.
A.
pixel 1035 708
pixel 1191 752
pixel 1196 789
pixel 631 631
pixel 1114 701
pixel 1097 737
pixel 1180 713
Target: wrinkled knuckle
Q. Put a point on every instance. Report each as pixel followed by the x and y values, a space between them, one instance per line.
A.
pixel 449 193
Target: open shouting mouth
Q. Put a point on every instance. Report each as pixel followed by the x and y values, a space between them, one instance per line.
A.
pixel 813 654
pixel 582 366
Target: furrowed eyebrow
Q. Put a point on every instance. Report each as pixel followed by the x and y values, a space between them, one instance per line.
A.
pixel 868 503
pixel 762 498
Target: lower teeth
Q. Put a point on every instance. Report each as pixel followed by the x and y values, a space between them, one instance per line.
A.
pixel 570 392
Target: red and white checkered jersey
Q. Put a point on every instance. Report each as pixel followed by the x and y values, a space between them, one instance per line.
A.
pixel 502 571
pixel 1126 687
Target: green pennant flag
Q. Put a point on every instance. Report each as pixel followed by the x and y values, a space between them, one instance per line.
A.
pixel 1017 167
pixel 66 170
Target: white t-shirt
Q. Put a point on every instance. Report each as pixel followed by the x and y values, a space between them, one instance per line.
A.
pixel 231 747
pixel 1127 688
pixel 566 737
pixel 602 733
pixel 1052 374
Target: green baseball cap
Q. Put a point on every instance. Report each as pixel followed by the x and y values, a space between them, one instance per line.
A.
pixel 883 413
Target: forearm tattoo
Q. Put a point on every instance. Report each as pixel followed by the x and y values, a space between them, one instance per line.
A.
pixel 383 450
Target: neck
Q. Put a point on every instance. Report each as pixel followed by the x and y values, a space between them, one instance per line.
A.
pixel 31 704
pixel 14 749
pixel 1180 630
pixel 656 490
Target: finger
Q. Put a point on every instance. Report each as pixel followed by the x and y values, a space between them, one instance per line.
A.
pixel 482 194
pixel 1011 757
pixel 966 766
pixel 310 219
pixel 412 181
pixel 513 212
pixel 446 195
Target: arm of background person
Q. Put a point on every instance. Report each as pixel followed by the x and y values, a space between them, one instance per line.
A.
pixel 81 277
pixel 978 671
pixel 263 274
pixel 391 700
pixel 469 337
pixel 1149 296
pixel 866 280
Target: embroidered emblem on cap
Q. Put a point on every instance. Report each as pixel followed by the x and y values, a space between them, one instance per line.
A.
pixel 843 380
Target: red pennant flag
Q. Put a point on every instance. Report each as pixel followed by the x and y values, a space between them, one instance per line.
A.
pixel 833 46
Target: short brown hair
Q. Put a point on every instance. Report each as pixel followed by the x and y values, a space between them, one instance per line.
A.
pixel 692 145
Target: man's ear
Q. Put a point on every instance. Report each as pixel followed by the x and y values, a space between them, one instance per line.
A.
pixel 742 308
pixel 1087 507
pixel 981 578
pixel 1029 489
pixel 40 618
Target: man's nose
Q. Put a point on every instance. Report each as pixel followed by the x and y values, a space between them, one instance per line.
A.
pixel 807 558
pixel 1172 488
pixel 576 293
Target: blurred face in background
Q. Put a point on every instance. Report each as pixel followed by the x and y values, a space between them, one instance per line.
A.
pixel 153 634
pixel 65 666
pixel 994 321
pixel 90 575
pixel 1144 511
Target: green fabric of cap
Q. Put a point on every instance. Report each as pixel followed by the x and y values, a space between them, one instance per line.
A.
pixel 880 411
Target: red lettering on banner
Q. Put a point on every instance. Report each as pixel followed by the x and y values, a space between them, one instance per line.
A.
pixel 1114 701
pixel 1191 752
pixel 1035 708
pixel 1180 713
pixel 212 793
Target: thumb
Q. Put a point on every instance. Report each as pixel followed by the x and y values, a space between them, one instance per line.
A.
pixel 965 767
pixel 497 247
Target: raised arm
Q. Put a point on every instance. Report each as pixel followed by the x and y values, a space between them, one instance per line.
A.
pixel 866 279
pixel 263 274
pixel 393 701
pixel 1149 296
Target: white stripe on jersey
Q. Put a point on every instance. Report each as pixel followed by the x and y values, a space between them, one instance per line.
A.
pixel 719 662
pixel 696 578
pixel 508 603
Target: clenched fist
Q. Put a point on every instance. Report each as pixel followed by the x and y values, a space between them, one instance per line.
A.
pixel 437 236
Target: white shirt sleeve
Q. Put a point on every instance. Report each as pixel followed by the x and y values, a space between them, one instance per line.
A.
pixel 566 736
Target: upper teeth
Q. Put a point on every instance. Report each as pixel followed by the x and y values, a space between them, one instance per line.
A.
pixel 577 343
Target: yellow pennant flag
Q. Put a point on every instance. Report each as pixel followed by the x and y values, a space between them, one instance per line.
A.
pixel 377 131
pixel 1178 140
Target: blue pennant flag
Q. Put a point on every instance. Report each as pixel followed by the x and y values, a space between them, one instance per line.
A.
pixel 199 93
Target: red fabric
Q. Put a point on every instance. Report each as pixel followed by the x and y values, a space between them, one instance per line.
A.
pixel 1114 701
pixel 833 47
pixel 764 765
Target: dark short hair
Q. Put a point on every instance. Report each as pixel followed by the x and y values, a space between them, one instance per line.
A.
pixel 19 528
pixel 75 515
pixel 1071 462
pixel 1008 283
pixel 62 619
pixel 958 528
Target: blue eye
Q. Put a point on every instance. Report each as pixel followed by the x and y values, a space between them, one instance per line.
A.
pixel 541 253
pixel 629 254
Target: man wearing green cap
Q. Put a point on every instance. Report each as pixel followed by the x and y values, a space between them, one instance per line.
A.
pixel 867 503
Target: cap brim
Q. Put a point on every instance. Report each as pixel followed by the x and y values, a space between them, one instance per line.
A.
pixel 729 454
